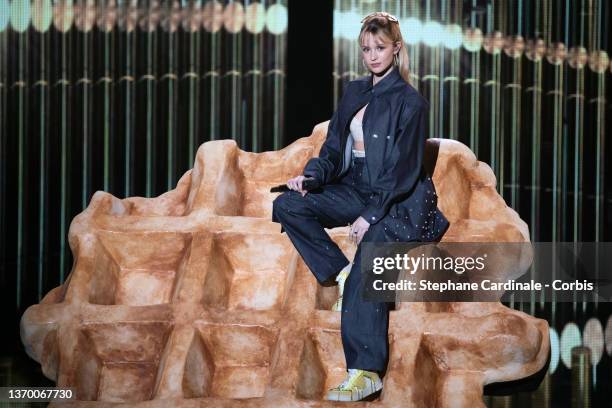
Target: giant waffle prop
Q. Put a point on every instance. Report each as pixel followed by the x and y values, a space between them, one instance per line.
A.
pixel 195 298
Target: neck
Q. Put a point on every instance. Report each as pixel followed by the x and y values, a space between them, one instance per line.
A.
pixel 381 75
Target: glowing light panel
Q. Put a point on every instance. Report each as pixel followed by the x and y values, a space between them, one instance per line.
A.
pixel 20 15
pixel 276 19
pixel 570 338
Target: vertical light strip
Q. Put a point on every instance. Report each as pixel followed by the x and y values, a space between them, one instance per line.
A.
pixel 519 19
pixel 579 134
pixel 254 24
pixel 516 129
pixel 337 55
pixel 493 85
pixel 546 20
pixel 194 93
pixel 171 103
pixel 575 97
pixel 108 85
pixel 4 19
pixel 600 129
pixel 535 134
pixel 475 87
pixel 564 170
pixel 557 128
pixel 129 107
pixel 214 94
pixel 86 83
pixel 279 83
pixel 532 92
pixel 435 72
pixel 557 131
pixel 66 132
pixel 151 81
pixel 601 122
pixel 257 90
pixel 515 89
pixel 455 15
pixel 43 180
pixel 20 20
pixel 600 135
pixel 21 136
pixel 496 119
pixel 536 148
pixel 578 159
pixel 235 79
pixel 441 113
pixel 507 93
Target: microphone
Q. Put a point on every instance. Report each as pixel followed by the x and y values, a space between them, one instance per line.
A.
pixel 307 184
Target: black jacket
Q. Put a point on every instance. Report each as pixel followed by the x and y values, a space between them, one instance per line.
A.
pixel 394 134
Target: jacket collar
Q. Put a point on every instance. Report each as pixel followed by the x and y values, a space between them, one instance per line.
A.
pixel 382 85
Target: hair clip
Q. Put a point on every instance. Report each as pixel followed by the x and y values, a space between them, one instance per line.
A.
pixel 383 14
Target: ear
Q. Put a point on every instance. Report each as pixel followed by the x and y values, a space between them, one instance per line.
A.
pixel 397 47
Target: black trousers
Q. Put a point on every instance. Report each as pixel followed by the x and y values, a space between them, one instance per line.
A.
pixel 364 325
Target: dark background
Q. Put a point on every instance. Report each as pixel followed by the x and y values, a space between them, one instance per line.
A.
pixel 309 67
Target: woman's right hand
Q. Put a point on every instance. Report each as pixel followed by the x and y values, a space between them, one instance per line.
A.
pixel 296 184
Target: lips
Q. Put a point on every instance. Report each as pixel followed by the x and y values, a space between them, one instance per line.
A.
pixel 375 65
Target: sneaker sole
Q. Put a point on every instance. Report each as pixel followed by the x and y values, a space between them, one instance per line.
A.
pixel 371 392
pixel 372 397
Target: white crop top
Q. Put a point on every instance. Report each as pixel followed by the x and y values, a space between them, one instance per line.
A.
pixel 357 135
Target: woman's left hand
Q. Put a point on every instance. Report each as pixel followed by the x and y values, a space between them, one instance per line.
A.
pixel 358 229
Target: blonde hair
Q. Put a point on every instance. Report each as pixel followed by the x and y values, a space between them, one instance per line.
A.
pixel 386 28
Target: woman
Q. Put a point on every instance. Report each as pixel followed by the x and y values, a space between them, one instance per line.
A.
pixel 370 174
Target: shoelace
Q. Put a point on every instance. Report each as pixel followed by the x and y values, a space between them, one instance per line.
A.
pixel 353 374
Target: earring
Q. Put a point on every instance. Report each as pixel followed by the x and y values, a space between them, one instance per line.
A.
pixel 396 59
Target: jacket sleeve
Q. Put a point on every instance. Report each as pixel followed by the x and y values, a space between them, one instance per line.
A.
pixel 402 170
pixel 323 168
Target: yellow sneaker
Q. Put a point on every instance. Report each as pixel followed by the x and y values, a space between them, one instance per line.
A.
pixel 341 278
pixel 359 384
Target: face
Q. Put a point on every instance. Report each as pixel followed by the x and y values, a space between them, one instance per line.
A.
pixel 378 53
